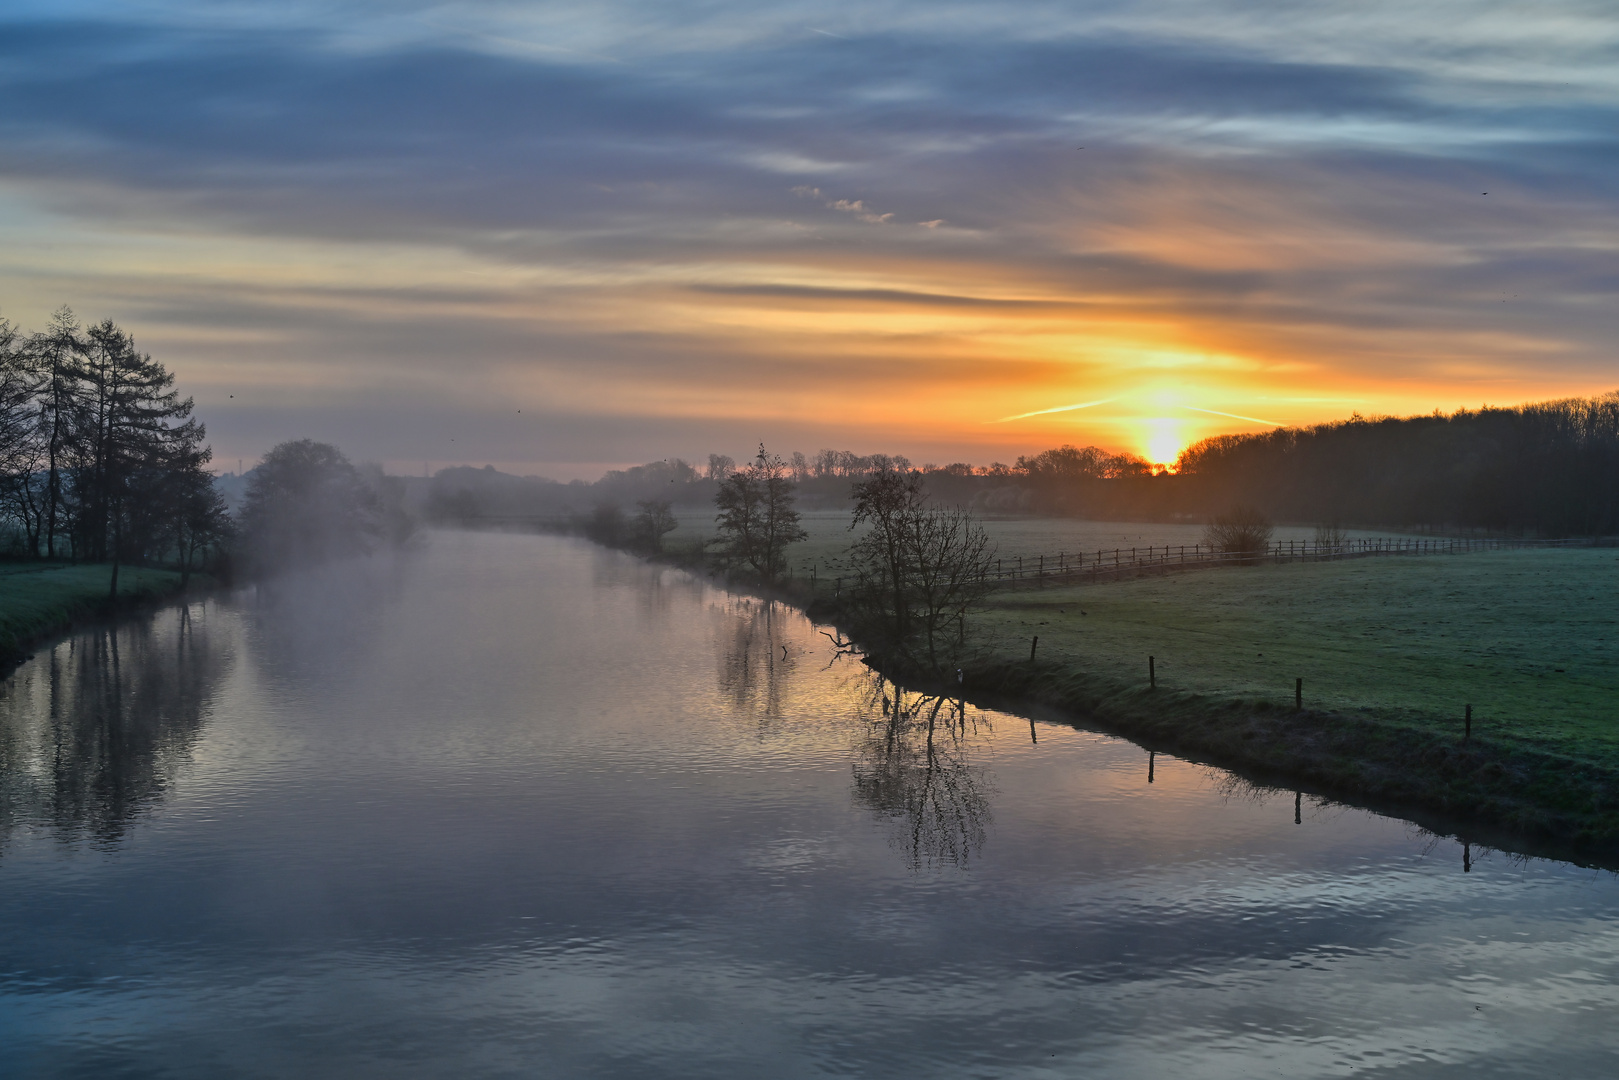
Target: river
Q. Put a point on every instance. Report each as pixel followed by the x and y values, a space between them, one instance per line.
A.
pixel 518 806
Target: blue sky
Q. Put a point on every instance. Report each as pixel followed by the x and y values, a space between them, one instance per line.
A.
pixel 671 228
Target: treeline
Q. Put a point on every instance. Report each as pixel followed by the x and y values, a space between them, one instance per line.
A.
pixel 1550 469
pixel 100 457
pixel 1080 482
pixel 463 494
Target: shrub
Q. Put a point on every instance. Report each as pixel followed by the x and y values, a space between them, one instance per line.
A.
pixel 1242 531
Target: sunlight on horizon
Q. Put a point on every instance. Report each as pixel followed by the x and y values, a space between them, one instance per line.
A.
pixel 1164 439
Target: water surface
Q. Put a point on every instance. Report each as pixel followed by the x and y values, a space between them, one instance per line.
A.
pixel 516 806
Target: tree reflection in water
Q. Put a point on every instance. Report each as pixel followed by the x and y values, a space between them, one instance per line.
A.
pixel 755 662
pixel 913 768
pixel 93 733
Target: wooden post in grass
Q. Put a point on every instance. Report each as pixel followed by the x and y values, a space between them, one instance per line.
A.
pixel 1152 672
pixel 1467 729
pixel 1298 694
pixel 1033 645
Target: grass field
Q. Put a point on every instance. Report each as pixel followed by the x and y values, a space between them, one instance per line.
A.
pixel 40 599
pixel 829 537
pixel 1529 638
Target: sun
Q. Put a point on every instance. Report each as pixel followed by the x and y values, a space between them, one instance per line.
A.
pixel 1163 438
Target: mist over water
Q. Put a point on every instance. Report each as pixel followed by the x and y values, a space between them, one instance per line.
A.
pixel 516 805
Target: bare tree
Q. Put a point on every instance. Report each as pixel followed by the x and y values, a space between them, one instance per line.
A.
pixel 949 555
pixel 887 503
pixel 919 570
pixel 756 519
pixel 56 357
pixel 1331 538
pixel 719 467
pixel 19 444
pixel 199 522
pixel 654 519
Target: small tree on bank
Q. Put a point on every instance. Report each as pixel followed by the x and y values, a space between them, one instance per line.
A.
pixel 919 571
pixel 654 519
pixel 756 519
pixel 888 502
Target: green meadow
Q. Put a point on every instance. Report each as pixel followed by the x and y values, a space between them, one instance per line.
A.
pixel 40 599
pixel 829 537
pixel 1529 638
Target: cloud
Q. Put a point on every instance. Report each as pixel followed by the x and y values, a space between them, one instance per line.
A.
pixel 636 204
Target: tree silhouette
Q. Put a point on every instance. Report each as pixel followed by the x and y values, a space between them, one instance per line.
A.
pixel 756 520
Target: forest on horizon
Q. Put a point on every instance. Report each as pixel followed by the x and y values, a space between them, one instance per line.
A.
pixel 1543 469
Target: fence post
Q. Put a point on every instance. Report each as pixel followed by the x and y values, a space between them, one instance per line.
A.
pixel 1298 694
pixel 1152 673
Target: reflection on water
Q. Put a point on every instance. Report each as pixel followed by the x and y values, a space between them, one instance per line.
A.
pixel 757 664
pixel 98 727
pixel 517 806
pixel 913 767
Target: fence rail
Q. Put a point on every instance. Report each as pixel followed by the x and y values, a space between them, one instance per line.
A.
pixel 1102 565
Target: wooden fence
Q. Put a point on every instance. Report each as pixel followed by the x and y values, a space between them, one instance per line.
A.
pixel 1103 565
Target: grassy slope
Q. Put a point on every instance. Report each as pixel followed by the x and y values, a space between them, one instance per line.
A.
pixel 1390 650
pixel 41 599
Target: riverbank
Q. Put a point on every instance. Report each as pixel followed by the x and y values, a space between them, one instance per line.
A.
pixel 1391 652
pixel 43 600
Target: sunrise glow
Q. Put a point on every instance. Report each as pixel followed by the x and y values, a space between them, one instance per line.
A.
pixel 323 257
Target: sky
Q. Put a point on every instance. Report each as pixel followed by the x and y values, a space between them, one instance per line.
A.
pixel 559 238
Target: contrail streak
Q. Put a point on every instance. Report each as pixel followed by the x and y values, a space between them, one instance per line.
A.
pixel 1059 408
pixel 1234 416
